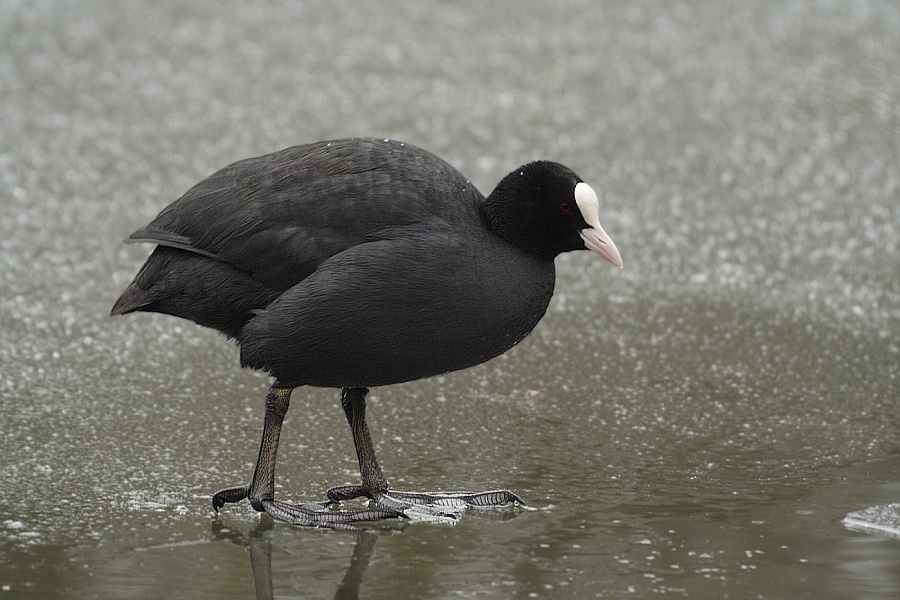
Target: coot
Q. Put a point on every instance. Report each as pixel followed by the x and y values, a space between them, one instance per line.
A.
pixel 355 263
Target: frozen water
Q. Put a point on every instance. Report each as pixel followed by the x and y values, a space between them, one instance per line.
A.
pixel 883 520
pixel 698 423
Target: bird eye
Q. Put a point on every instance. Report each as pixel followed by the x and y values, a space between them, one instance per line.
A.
pixel 564 207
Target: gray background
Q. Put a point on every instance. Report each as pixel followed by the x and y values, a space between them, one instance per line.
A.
pixel 695 424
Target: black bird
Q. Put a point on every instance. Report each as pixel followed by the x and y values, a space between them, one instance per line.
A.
pixel 356 263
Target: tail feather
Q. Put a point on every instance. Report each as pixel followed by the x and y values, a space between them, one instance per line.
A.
pixel 187 285
pixel 132 299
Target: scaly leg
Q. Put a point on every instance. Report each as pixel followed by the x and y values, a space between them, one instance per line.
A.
pixel 261 489
pixel 375 487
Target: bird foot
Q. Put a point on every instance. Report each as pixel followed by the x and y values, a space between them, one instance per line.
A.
pixel 309 514
pixel 443 506
pixel 318 514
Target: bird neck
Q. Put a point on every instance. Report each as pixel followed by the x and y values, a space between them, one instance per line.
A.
pixel 507 216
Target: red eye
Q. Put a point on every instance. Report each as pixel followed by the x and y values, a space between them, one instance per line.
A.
pixel 564 207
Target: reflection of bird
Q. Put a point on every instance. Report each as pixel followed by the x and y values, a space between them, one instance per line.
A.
pixel 358 263
pixel 258 543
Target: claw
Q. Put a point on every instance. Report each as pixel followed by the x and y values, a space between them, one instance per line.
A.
pixel 228 495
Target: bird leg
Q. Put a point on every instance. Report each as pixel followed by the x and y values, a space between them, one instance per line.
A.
pixel 375 487
pixel 261 489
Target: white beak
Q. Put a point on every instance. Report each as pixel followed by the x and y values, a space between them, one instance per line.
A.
pixel 594 237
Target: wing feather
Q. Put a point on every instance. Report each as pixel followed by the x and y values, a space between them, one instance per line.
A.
pixel 279 216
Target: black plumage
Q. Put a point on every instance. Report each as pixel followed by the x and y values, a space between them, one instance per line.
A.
pixel 361 262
